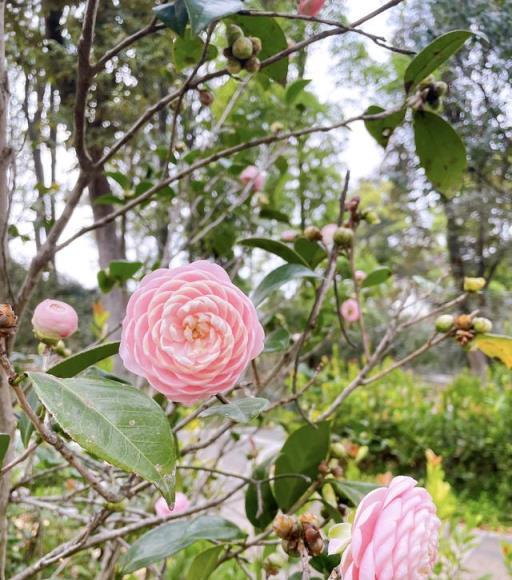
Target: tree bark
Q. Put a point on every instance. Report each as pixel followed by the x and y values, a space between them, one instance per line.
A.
pixel 7 419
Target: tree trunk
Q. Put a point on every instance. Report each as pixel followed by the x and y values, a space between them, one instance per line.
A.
pixel 7 419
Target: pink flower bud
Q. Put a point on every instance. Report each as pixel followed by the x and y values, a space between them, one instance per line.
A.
pixel 181 505
pixel 54 319
pixel 310 7
pixel 328 234
pixel 289 236
pixel 359 275
pixel 252 174
pixel 350 310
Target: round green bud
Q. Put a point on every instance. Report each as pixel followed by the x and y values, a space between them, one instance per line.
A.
pixel 482 325
pixel 233 66
pixel 371 217
pixel 242 48
pixel 338 450
pixel 343 237
pixel 474 284
pixel 313 234
pixel 256 45
pixel 252 65
pixel 444 323
pixel 233 33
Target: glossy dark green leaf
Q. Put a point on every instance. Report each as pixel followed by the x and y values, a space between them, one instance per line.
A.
pixel 188 49
pixel 4 446
pixel 354 491
pixel 202 12
pixel 278 277
pixel 277 340
pixel 325 563
pixel 301 455
pixel 441 152
pixel 433 56
pixel 75 364
pixel 170 538
pixel 109 199
pixel 273 41
pixel 120 178
pixel 260 504
pixel 122 270
pixel 204 564
pixel 274 214
pixel 25 425
pixel 241 410
pixel 294 90
pixel 278 248
pixel 105 281
pixel 174 15
pixel 312 252
pixel 382 129
pixel 115 422
pixel 378 276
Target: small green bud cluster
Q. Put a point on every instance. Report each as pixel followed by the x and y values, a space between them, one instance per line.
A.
pixel 430 94
pixel 242 51
pixel 464 327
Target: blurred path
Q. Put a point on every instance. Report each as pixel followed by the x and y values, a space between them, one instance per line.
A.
pixel 486 560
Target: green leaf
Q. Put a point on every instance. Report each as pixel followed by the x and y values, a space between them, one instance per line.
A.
pixel 441 152
pixel 4 446
pixel 273 41
pixel 325 563
pixel 170 538
pixel 494 346
pixel 25 425
pixel 378 276
pixel 278 248
pixel 301 454
pixel 202 12
pixel 312 252
pixel 187 51
pixel 433 56
pixel 114 421
pixel 382 129
pixel 277 340
pixel 354 491
pixel 122 270
pixel 241 411
pixel 204 564
pixel 120 178
pixel 108 199
pixel 274 214
pixel 105 282
pixel 78 362
pixel 278 277
pixel 174 15
pixel 294 90
pixel 261 508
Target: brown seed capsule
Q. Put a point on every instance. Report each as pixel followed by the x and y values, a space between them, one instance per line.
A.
pixel 284 526
pixel 464 322
pixel 309 519
pixel 206 98
pixel 234 66
pixel 256 45
pixel 252 65
pixel 313 234
pixel 291 547
pixel 8 319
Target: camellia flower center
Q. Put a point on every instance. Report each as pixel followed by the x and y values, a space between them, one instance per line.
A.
pixel 196 327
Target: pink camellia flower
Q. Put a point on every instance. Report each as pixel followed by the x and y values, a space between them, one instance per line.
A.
pixel 190 332
pixel 254 175
pixel 310 7
pixel 350 310
pixel 181 505
pixel 360 276
pixel 289 236
pixel 328 233
pixel 394 535
pixel 54 319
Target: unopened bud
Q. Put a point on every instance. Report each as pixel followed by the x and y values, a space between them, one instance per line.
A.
pixel 444 323
pixel 371 217
pixel 482 325
pixel 233 33
pixel 289 236
pixel 242 48
pixel 256 45
pixel 309 519
pixel 313 234
pixel 284 526
pixel 343 237
pixel 323 468
pixel 233 66
pixel 206 98
pixel 474 284
pixel 252 65
pixel 464 322
pixel 313 540
pixel 273 564
pixel 276 127
pixel 338 450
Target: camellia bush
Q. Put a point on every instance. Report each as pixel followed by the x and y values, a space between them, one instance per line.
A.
pixel 169 461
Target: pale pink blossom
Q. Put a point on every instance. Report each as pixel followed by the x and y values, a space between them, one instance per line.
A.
pixel 54 319
pixel 181 505
pixel 350 310
pixel 289 236
pixel 360 276
pixel 328 234
pixel 190 332
pixel 252 174
pixel 394 535
pixel 310 7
